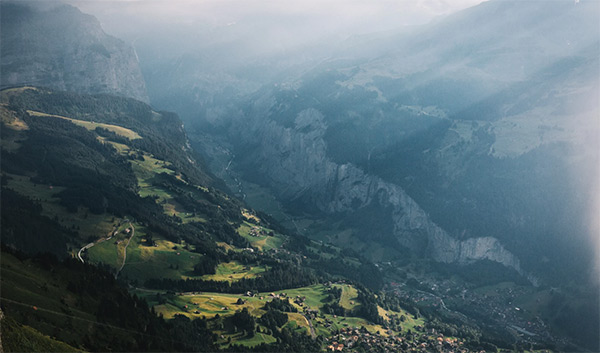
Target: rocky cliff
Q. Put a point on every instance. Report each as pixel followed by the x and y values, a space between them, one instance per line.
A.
pixel 294 161
pixel 62 48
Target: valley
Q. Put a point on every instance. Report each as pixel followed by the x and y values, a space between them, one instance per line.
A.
pixel 204 187
pixel 130 248
pixel 250 263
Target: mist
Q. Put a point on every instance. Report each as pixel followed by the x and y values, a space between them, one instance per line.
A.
pixel 205 60
pixel 262 27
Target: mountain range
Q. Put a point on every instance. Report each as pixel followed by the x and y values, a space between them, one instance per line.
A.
pixel 430 188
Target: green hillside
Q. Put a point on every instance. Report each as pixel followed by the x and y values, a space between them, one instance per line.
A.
pixel 20 338
pixel 147 245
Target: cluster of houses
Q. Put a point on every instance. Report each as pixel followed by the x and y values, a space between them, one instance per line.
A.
pixel 355 339
pixel 257 231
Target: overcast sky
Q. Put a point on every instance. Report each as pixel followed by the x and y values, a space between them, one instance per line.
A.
pixel 343 17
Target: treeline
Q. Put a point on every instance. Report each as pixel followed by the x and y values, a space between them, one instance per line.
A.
pixel 367 308
pixel 287 341
pixel 368 305
pixel 283 305
pixel 24 227
pixel 390 301
pixel 273 320
pixel 366 272
pixel 283 275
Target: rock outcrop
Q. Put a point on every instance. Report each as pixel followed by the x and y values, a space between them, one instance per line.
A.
pixel 64 49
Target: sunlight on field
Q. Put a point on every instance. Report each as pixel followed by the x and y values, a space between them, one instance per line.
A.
pixel 206 304
pixel 299 319
pixel 10 120
pixel 233 271
pixel 349 296
pixel 163 259
pixel 90 125
pixel 250 216
pixel 259 237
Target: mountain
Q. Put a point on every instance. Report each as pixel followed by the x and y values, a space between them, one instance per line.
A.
pixel 108 222
pixel 447 142
pixel 432 226
pixel 57 46
pixel 111 183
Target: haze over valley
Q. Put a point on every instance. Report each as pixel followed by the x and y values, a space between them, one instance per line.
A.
pixel 302 176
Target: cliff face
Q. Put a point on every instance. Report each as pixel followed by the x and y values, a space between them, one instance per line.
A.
pixel 64 49
pixel 294 161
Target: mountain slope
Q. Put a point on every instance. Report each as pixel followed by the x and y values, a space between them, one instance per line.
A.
pixel 66 147
pixel 111 182
pixel 111 185
pixel 59 47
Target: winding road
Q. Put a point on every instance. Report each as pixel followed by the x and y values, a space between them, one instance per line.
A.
pixel 313 335
pixel 82 249
pixel 88 246
pixel 110 235
pixel 125 250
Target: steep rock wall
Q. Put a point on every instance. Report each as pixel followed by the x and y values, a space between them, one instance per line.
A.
pixel 64 49
pixel 294 163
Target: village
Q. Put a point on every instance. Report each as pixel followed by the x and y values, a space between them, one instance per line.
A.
pixel 357 339
pixel 497 305
pixel 360 339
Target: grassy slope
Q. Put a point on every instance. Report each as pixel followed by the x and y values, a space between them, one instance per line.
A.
pixel 210 304
pixel 349 297
pixel 233 271
pixel 90 125
pixel 263 242
pixel 166 261
pixel 146 171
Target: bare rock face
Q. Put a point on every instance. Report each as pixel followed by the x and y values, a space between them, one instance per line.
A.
pixel 295 161
pixel 62 48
